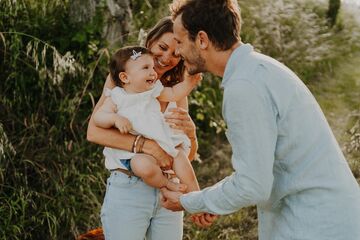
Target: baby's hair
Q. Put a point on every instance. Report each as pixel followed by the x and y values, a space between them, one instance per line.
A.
pixel 119 60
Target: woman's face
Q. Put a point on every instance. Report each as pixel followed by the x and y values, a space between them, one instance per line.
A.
pixel 164 51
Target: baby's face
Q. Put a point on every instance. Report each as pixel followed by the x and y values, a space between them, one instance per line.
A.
pixel 141 74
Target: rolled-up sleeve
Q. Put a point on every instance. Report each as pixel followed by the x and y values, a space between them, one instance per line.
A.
pixel 252 133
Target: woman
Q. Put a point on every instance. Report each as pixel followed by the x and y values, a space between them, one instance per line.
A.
pixel 156 222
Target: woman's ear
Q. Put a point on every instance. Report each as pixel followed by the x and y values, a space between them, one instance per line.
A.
pixel 123 77
pixel 202 40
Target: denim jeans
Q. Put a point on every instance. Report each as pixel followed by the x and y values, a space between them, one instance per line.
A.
pixel 132 211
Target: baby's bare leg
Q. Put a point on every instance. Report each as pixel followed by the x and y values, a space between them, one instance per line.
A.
pixel 185 172
pixel 145 167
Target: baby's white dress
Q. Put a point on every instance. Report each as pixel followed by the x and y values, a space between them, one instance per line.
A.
pixel 144 112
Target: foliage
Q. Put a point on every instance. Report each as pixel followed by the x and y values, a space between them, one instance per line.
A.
pixel 352 146
pixel 52 70
pixel 146 13
pixel 49 184
pixel 205 109
pixel 297 34
pixel 354 143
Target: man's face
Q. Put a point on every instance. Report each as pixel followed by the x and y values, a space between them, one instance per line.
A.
pixel 188 50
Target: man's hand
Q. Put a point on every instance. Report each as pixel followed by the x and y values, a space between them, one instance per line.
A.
pixel 171 200
pixel 203 219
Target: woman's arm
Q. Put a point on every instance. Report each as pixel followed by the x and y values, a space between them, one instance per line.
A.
pixel 113 138
pixel 105 116
pixel 107 137
pixel 180 119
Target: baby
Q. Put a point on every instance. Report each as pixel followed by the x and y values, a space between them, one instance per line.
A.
pixel 133 106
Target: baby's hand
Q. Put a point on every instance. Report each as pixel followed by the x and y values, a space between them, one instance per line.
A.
pixel 123 124
pixel 196 78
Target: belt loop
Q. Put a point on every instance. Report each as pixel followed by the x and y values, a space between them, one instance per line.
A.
pixel 124 171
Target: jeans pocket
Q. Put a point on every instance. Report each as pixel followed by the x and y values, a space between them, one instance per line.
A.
pixel 119 179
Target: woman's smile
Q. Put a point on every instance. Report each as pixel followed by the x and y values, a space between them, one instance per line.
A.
pixel 160 63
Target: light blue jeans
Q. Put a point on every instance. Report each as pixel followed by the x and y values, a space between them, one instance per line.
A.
pixel 132 211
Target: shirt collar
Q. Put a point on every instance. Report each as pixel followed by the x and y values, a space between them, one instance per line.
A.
pixel 237 60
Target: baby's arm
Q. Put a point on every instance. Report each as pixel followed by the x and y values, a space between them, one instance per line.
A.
pixel 180 90
pixel 106 117
pixel 111 137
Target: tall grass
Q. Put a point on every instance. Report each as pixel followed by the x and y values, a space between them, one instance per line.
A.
pixel 297 34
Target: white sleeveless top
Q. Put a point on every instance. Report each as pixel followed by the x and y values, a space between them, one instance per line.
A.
pixel 144 112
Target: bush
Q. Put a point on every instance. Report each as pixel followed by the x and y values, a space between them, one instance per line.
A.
pixel 296 33
pixel 51 184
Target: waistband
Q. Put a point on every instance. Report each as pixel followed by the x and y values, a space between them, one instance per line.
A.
pixel 125 171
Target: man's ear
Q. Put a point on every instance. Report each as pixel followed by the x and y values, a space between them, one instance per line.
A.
pixel 203 40
pixel 123 77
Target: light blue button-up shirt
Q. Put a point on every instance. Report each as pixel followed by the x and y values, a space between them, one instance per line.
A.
pixel 285 156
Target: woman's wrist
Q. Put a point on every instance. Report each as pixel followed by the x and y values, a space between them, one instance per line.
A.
pixel 193 148
pixel 149 146
pixel 137 146
pixel 192 136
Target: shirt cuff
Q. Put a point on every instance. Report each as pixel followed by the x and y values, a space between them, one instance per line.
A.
pixel 193 202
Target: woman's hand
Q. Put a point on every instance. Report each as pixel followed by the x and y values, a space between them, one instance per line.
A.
pixel 179 118
pixel 203 219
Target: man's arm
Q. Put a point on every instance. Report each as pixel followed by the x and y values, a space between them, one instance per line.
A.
pixel 252 133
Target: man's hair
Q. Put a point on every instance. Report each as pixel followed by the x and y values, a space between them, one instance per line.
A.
pixel 119 59
pixel 220 19
pixel 174 75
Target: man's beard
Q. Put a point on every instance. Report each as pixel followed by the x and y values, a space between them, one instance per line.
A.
pixel 197 66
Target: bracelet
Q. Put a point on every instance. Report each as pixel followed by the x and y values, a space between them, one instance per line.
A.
pixel 141 144
pixel 135 143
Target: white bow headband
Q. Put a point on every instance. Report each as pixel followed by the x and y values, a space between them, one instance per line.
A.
pixel 135 55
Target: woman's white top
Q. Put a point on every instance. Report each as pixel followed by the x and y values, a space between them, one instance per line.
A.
pixel 144 112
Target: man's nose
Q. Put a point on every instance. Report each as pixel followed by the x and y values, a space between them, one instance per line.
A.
pixel 177 52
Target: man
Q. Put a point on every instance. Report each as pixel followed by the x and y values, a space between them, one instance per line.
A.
pixel 285 157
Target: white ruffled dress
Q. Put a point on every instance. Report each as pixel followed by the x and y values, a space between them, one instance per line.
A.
pixel 144 112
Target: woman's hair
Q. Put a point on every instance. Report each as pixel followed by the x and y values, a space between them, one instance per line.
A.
pixel 174 75
pixel 120 58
